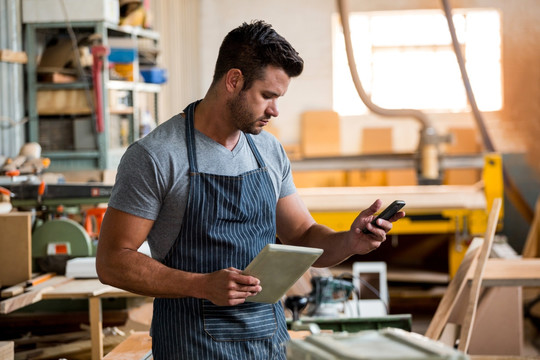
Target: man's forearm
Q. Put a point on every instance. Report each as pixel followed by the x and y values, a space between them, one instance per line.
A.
pixel 135 272
pixel 335 244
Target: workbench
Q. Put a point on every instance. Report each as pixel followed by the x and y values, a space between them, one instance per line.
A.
pixel 460 211
pixel 498 272
pixel 61 287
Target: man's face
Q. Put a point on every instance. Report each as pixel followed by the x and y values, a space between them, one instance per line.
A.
pixel 252 109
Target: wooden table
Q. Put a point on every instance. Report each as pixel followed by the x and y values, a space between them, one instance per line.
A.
pixel 61 287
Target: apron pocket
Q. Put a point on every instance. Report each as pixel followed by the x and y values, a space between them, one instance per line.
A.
pixel 247 321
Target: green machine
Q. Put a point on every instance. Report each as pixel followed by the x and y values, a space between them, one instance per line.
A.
pixel 56 238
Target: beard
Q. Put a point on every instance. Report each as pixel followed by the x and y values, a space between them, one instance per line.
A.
pixel 242 116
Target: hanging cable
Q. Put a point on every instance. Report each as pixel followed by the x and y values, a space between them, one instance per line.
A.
pixel 511 190
pixel 428 146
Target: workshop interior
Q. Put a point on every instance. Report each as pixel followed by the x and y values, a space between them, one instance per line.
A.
pixel 434 103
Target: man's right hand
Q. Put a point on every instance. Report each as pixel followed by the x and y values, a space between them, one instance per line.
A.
pixel 228 287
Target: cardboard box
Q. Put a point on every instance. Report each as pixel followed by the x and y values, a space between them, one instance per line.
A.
pixel 321 178
pixel 320 134
pixel 465 142
pixel 376 141
pixel 15 248
pixel 41 11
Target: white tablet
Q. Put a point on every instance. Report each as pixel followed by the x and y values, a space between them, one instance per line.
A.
pixel 278 267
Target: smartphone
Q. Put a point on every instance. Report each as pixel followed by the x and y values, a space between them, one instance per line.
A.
pixel 387 213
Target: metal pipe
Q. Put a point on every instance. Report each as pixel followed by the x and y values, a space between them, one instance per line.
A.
pixel 510 189
pixel 428 146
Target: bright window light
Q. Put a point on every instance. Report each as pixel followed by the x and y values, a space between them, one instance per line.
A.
pixel 405 60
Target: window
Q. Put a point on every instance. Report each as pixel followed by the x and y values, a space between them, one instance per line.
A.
pixel 405 59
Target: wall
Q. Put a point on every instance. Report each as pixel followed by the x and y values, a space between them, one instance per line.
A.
pixel 177 22
pixel 192 30
pixel 11 81
pixel 307 25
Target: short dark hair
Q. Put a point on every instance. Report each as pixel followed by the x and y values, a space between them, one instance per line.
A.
pixel 251 48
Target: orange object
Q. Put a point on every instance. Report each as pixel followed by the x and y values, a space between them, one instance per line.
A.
pixel 94 216
pixel 40 279
pixel 13 173
pixel 61 249
pixel 41 188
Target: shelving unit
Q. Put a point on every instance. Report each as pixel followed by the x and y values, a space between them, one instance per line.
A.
pixel 52 125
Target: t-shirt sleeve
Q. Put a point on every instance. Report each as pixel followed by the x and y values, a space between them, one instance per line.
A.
pixel 138 186
pixel 287 184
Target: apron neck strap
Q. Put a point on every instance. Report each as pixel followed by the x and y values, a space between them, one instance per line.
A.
pixel 190 139
pixel 190 135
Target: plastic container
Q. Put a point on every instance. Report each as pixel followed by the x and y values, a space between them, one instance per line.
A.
pixel 154 75
pixel 122 55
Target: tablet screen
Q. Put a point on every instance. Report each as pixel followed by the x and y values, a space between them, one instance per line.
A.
pixel 278 267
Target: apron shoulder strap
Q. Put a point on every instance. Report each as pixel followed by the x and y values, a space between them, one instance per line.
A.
pixel 255 151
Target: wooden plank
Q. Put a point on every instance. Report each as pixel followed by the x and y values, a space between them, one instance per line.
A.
pixel 498 326
pixel 96 328
pixel 7 351
pixel 54 338
pixel 511 272
pixel 455 288
pixel 54 102
pixel 75 349
pixel 7 55
pixel 468 322
pixel 135 347
pixel 532 244
pixel 15 248
pixel 417 276
pixel 32 296
pixel 83 289
pixel 13 290
pixel 418 198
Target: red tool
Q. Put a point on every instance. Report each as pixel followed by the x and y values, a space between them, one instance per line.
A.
pixel 93 219
pixel 98 53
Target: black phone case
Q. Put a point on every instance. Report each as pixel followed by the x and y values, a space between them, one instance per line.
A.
pixel 387 213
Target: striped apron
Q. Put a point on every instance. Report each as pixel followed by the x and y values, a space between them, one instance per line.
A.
pixel 228 220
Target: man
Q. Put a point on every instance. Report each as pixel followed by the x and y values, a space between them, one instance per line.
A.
pixel 208 196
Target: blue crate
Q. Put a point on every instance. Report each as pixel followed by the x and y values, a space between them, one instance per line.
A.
pixel 154 75
pixel 122 55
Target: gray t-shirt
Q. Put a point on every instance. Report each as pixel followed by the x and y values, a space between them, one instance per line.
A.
pixel 152 180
